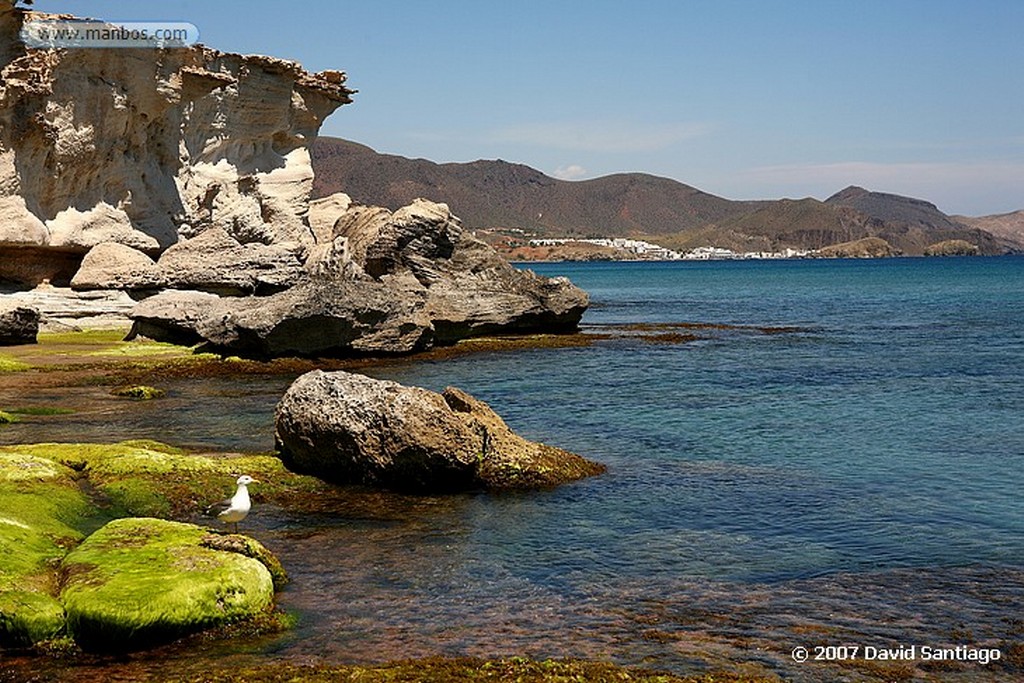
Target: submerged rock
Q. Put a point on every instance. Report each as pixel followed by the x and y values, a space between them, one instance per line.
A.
pixel 141 581
pixel 348 428
pixel 19 324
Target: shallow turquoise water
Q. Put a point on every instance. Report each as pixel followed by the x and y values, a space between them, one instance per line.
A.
pixel 886 432
pixel 857 476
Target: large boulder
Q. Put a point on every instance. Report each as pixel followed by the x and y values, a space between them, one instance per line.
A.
pixel 352 429
pixel 19 324
pixel 112 265
pixel 214 261
pixel 142 581
pixel 315 318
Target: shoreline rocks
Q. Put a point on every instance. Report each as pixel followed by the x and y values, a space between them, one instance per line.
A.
pixel 384 284
pixel 137 581
pixel 351 429
pixel 19 324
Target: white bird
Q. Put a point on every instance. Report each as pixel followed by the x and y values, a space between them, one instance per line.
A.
pixel 234 509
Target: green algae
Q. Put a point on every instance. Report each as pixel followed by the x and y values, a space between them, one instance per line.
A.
pixel 51 493
pixel 139 392
pixel 29 617
pixel 8 364
pixel 141 581
pixel 42 514
pixel 113 335
pixel 7 418
pixel 150 479
pixel 40 410
pixel 447 670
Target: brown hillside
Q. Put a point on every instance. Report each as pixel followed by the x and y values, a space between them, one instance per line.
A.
pixel 496 194
pixel 1005 226
pixel 499 193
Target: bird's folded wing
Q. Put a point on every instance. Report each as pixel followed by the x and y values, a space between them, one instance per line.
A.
pixel 218 508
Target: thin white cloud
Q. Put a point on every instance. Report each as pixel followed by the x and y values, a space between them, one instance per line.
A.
pixel 600 136
pixel 570 172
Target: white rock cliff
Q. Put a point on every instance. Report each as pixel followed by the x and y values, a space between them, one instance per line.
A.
pixel 143 147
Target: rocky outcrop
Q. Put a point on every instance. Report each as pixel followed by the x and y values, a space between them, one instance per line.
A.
pixel 385 283
pixel 868 247
pixel 145 147
pixel 348 428
pixel 110 265
pixel 214 261
pixel 952 248
pixel 19 324
pixel 315 318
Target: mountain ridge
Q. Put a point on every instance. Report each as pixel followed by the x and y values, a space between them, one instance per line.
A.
pixel 495 194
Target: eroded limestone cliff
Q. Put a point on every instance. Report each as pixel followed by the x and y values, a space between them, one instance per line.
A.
pixel 143 147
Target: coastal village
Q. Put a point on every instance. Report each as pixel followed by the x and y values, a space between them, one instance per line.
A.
pixel 646 251
pixel 518 245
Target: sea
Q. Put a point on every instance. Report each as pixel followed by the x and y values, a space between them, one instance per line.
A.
pixel 807 459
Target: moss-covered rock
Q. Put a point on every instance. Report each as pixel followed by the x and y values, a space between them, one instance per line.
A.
pixel 139 392
pixel 142 581
pixel 143 478
pixel 45 512
pixel 42 514
pixel 8 364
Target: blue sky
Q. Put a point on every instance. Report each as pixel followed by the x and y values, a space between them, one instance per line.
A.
pixel 746 99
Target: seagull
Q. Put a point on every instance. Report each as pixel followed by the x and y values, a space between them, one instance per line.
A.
pixel 234 509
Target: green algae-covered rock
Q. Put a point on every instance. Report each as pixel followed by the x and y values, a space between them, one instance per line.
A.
pixel 143 478
pixel 139 581
pixel 42 513
pixel 28 617
pixel 139 392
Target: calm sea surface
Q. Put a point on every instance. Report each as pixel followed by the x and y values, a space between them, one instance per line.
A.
pixel 856 476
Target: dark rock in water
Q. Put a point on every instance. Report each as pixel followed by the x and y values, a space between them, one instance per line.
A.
pixel 315 318
pixel 352 429
pixel 173 316
pixel 481 294
pixel 19 324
